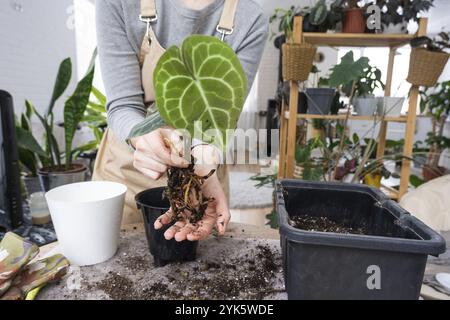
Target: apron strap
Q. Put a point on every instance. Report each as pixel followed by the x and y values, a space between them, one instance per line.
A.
pixel 148 10
pixel 148 14
pixel 226 23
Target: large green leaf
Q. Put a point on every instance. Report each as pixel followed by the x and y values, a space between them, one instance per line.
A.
pixel 61 83
pixel 201 86
pixel 348 70
pixel 74 110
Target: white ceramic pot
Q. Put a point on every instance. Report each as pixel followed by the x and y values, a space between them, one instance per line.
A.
pixel 391 106
pixel 366 106
pixel 87 218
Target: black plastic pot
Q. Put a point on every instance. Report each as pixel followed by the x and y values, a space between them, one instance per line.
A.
pixel 152 205
pixel 388 263
pixel 320 100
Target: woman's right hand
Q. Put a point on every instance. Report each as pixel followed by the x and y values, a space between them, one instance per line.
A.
pixel 152 156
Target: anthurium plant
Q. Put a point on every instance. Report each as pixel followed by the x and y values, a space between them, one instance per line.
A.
pixel 200 88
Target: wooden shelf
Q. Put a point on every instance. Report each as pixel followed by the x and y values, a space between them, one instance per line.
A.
pixel 357 39
pixel 343 116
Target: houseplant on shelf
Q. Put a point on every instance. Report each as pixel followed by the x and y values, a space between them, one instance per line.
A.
pixel 365 102
pixel 436 103
pixel 428 59
pixel 353 20
pixel 396 14
pixel 317 18
pixel 307 166
pixel 58 167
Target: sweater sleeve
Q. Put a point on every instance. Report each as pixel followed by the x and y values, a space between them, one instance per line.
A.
pixel 120 71
pixel 250 51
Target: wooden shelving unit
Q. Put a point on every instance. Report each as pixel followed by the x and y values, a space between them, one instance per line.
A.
pixel 289 110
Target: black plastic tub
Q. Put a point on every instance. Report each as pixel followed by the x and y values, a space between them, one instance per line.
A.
pixel 152 205
pixel 387 263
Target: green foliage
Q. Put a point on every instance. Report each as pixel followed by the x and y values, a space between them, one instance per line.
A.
pixel 399 11
pixel 318 13
pixel 318 16
pixel 272 218
pixel 441 43
pixel 201 87
pixel 29 151
pixel 74 109
pixel 95 118
pixel 415 181
pixel 348 71
pixel 264 180
pixel 62 82
pixel 435 102
pixel 313 169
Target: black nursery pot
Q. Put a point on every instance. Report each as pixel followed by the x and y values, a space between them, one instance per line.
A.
pixel 387 263
pixel 152 205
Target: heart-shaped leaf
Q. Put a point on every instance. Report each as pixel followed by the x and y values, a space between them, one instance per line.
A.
pixel 201 86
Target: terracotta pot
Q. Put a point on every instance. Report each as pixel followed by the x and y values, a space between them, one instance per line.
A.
pixel 430 173
pixel 354 21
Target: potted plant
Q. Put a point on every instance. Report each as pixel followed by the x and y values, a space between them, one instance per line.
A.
pixel 57 167
pixel 396 14
pixel 354 20
pixel 436 103
pixel 343 77
pixel 428 59
pixel 226 88
pixel 317 18
pixel 308 167
pixel 365 102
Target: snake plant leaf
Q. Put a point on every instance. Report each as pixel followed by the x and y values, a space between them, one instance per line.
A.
pixel 74 110
pixel 62 82
pixel 200 87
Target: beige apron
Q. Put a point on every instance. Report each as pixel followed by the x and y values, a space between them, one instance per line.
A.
pixel 115 159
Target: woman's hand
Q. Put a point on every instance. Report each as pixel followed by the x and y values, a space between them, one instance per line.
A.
pixel 153 156
pixel 217 214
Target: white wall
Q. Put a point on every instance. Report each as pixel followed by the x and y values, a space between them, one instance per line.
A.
pixel 268 74
pixel 34 39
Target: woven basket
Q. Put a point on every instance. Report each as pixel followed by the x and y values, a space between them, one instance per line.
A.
pixel 297 61
pixel 425 67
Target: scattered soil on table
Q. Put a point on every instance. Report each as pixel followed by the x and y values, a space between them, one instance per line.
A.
pixel 134 263
pixel 249 277
pixel 116 286
pixel 323 224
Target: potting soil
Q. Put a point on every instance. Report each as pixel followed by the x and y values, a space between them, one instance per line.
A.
pixel 323 224
pixel 226 268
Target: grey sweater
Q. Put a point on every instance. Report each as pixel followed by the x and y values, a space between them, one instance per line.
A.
pixel 120 34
